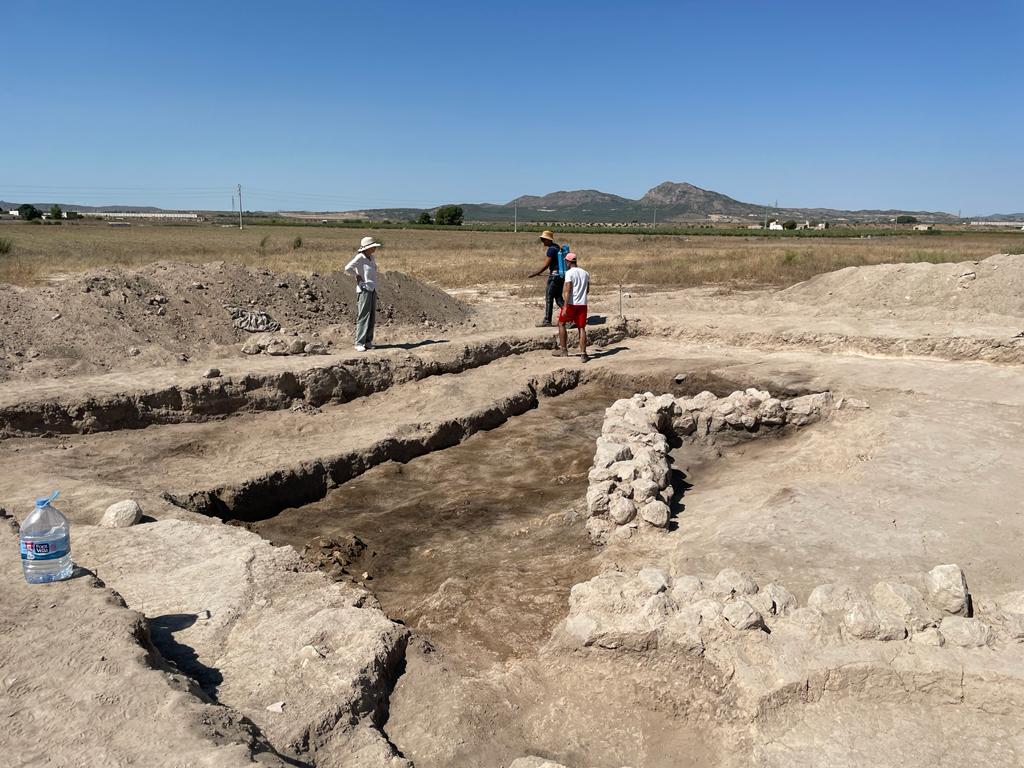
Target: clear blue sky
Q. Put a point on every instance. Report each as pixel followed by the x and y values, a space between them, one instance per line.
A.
pixel 337 105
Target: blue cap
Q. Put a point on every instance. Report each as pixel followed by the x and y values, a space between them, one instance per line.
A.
pixel 44 501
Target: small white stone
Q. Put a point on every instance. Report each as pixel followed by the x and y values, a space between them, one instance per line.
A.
pixel 122 514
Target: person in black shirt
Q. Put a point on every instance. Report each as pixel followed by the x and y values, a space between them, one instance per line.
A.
pixel 553 294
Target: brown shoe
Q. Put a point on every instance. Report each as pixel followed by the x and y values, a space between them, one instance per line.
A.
pixel 560 353
pixel 544 325
pixel 584 358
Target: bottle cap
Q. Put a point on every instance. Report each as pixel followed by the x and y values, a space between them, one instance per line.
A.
pixel 44 501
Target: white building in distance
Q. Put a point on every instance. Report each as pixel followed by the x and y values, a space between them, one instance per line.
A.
pixel 171 215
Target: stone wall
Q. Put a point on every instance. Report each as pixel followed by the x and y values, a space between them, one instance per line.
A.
pixel 630 480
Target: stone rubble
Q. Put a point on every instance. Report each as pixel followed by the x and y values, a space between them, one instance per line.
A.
pixel 651 609
pixel 280 346
pixel 630 479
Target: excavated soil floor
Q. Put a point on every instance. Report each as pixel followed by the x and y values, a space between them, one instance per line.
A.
pixel 475 546
pixel 475 539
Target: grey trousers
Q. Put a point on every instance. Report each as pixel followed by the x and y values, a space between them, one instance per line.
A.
pixel 366 314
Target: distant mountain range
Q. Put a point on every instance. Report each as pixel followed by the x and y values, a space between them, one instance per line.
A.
pixel 668 203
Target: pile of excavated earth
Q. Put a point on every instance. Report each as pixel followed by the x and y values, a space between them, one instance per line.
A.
pixel 732 538
pixel 970 290
pixel 116 319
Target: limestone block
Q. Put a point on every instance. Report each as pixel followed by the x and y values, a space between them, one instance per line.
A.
pixel 729 582
pixel 742 615
pixel 773 600
pixel 644 490
pixel 928 636
pixel 903 602
pixel 771 412
pixel 966 633
pixel 686 589
pixel 598 497
pixel 610 451
pixel 833 599
pixel 656 513
pixel 598 528
pixel 947 589
pixel 1010 608
pixel 621 510
pixel 654 579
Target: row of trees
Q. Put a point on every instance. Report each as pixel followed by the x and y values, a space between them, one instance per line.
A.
pixel 446 215
pixel 28 212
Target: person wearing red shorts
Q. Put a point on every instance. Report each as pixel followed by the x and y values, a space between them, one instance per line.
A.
pixel 577 286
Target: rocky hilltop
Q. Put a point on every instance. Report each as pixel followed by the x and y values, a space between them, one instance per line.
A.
pixel 690 199
pixel 569 199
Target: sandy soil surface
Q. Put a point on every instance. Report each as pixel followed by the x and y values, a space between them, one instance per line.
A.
pixel 462 465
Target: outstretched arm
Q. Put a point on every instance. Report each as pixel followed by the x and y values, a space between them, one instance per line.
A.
pixel 546 265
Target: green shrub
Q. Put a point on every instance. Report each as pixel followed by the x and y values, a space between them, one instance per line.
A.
pixel 450 215
pixel 296 243
pixel 6 244
pixel 263 243
pixel 28 212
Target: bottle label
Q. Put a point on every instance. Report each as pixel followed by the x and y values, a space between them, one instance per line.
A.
pixel 54 549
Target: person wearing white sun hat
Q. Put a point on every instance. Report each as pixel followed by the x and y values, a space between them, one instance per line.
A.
pixel 364 267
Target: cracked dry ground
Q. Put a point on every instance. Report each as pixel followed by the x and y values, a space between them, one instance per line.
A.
pixel 466 476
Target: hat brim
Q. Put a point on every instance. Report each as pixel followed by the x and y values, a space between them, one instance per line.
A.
pixel 368 247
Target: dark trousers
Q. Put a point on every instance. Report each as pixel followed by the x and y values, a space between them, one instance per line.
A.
pixel 553 294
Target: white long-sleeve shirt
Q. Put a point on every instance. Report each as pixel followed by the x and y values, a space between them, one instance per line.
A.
pixel 366 268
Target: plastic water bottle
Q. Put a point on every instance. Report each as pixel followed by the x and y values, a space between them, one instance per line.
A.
pixel 46 544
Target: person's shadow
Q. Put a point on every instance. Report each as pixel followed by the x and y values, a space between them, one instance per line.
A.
pixel 594 354
pixel 162 629
pixel 411 344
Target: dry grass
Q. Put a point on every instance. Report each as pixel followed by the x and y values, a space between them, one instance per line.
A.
pixel 462 259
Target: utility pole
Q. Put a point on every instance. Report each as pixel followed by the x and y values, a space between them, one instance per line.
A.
pixel 655 225
pixel 239 206
pixel 515 220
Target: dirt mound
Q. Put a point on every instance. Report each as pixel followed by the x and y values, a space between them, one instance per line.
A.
pixel 113 317
pixel 967 290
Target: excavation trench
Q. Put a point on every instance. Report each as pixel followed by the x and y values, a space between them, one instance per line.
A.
pixel 478 540
pixel 115 408
pixel 475 548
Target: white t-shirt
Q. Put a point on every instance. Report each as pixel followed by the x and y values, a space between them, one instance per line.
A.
pixel 366 267
pixel 580 280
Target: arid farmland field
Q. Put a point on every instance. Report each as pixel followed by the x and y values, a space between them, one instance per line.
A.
pixel 455 259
